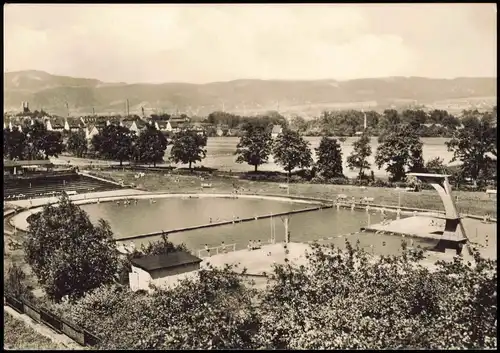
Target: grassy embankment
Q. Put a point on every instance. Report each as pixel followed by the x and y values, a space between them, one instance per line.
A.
pixel 18 335
pixel 477 203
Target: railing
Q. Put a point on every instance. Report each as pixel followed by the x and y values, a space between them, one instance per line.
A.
pixel 216 250
pixel 58 324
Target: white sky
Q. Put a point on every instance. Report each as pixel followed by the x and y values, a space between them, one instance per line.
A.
pixel 204 43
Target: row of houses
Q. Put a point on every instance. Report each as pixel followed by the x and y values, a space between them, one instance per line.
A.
pixel 91 125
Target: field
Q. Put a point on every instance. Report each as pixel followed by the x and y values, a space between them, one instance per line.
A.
pixel 19 336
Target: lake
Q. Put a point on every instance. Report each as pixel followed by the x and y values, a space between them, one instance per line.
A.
pixel 220 154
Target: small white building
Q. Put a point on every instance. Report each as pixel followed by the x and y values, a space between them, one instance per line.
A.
pixel 277 129
pixel 91 131
pixel 163 125
pixel 162 270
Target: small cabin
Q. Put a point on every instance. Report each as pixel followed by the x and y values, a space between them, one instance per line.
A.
pixel 162 270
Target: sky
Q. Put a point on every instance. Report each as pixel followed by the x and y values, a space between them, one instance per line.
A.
pixel 158 43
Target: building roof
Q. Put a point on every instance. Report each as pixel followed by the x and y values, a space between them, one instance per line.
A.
pixel 10 163
pixel 73 123
pixel 57 122
pixel 170 260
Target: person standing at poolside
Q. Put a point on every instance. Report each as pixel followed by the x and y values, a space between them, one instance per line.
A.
pixel 207 249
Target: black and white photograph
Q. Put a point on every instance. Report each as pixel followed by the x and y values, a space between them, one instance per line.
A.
pixel 239 176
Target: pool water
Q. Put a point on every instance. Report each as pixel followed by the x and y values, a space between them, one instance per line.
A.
pixel 326 226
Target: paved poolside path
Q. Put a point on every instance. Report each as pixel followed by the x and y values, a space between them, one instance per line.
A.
pixel 91 195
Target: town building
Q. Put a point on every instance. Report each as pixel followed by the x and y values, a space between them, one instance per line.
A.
pixel 72 125
pixel 55 124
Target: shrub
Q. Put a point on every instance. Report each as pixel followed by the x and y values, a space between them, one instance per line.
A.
pixel 296 179
pixel 380 183
pixel 339 181
pixel 15 283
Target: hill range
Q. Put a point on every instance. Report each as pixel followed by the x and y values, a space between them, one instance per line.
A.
pixel 248 97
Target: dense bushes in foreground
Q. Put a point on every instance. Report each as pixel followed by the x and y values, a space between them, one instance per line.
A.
pixel 340 300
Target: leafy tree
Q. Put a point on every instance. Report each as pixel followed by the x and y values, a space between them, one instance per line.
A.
pixel 77 143
pixel 358 159
pixel 390 119
pixel 414 117
pixel 450 122
pixel 162 246
pixel 299 124
pixel 15 283
pixel 437 116
pixel 401 149
pixel 292 151
pixel 255 145
pixel 151 145
pixel 40 143
pixel 436 165
pixel 51 144
pixel 472 144
pixel 329 163
pixel 67 253
pixel 188 147
pixel 114 142
pixel 14 143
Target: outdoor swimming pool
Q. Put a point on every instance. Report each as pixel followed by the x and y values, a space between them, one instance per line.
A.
pixel 165 214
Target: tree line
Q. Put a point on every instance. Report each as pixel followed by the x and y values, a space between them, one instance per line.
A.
pixel 399 150
pixel 32 142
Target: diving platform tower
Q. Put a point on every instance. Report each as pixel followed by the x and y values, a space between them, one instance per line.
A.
pixel 454 236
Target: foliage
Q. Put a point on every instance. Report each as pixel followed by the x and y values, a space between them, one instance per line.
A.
pixel 345 300
pixel 255 145
pixel 19 336
pixel 151 145
pixel 114 142
pixel 400 149
pixel 358 158
pixel 39 140
pixel 77 143
pixel 471 144
pixel 436 165
pixel 188 147
pixel 67 253
pixel 329 155
pixel 292 151
pixel 340 299
pixel 213 311
pixel 14 143
pixel 15 283
pixel 299 124
pixel 33 142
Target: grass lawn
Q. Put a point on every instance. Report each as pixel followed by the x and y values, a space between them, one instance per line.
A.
pixel 18 335
pixel 468 202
